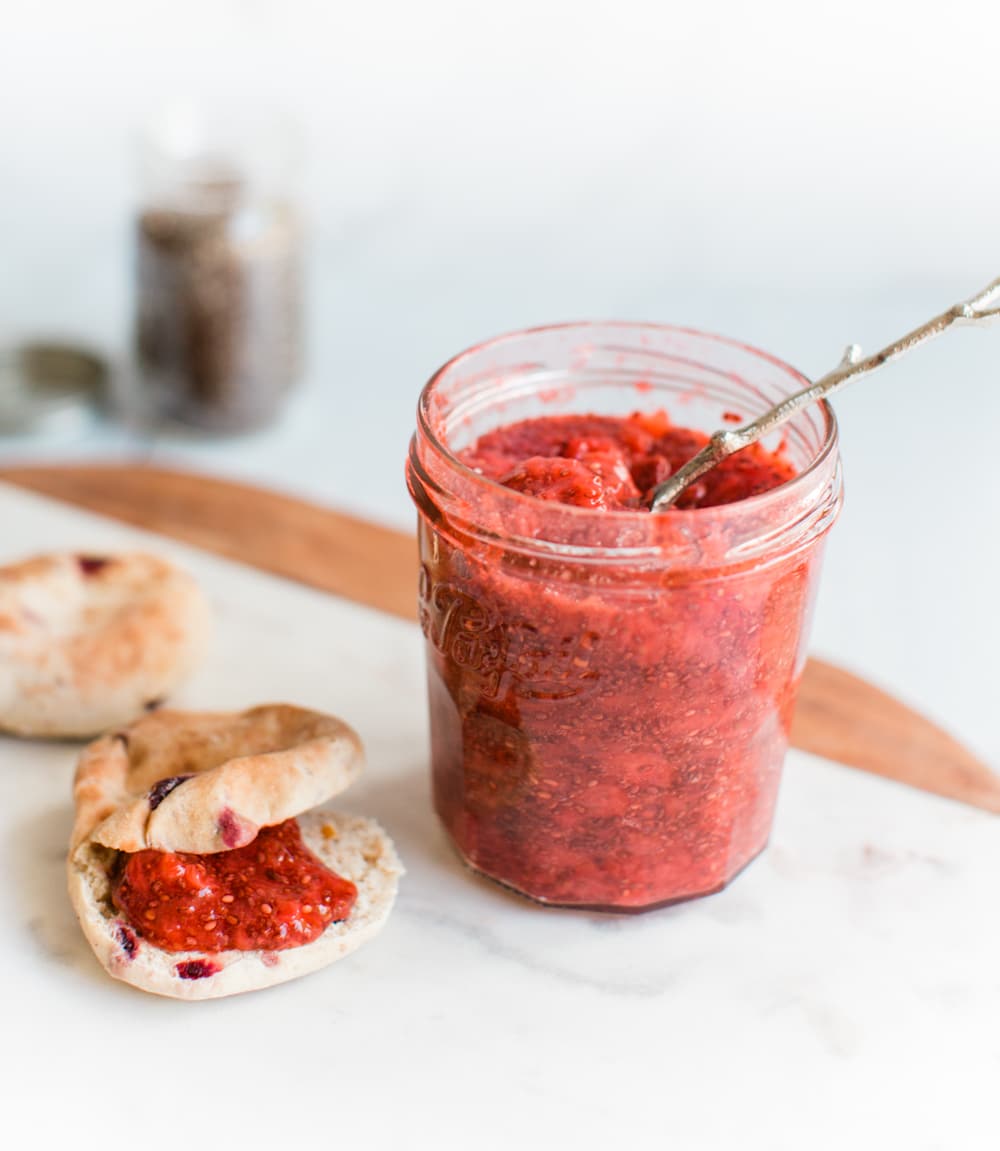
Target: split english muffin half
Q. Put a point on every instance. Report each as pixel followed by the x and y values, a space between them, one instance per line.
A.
pixel 198 867
pixel 88 642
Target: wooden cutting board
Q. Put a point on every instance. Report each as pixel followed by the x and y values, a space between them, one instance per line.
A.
pixel 839 715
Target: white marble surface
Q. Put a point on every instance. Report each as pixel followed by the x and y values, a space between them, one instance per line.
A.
pixel 845 992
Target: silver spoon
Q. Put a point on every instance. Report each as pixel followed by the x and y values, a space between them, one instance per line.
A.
pixel 981 308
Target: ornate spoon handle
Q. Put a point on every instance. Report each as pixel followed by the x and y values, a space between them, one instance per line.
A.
pixel 979 309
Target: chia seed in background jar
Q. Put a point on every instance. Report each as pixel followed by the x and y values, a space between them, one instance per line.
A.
pixel 219 267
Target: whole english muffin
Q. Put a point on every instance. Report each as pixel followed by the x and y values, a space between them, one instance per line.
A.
pixel 87 642
pixel 184 787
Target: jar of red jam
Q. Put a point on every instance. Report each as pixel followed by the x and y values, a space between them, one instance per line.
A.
pixel 611 690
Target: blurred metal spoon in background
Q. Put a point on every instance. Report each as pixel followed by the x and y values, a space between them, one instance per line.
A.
pixel 48 387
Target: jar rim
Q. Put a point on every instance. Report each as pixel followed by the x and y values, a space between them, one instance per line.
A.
pixel 755 504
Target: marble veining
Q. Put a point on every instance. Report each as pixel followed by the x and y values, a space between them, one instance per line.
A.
pixel 842 993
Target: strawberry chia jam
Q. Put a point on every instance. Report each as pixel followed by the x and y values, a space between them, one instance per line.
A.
pixel 269 895
pixel 611 691
pixel 614 463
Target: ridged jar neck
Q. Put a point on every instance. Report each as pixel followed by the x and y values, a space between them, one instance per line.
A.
pixel 618 369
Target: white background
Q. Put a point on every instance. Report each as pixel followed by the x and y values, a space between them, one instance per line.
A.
pixel 796 175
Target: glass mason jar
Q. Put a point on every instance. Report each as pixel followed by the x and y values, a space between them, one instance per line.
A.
pixel 219 269
pixel 611 693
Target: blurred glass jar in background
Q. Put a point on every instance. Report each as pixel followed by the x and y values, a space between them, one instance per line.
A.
pixel 219 313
